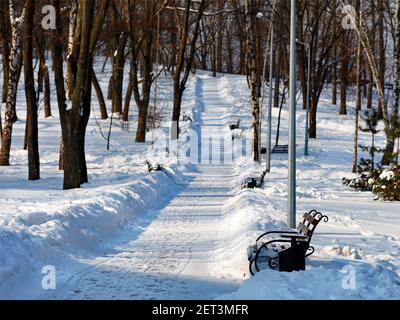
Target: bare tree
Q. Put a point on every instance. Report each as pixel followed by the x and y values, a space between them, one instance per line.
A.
pixel 74 117
pixel 185 58
pixel 359 96
pixel 14 61
pixel 252 69
pixel 31 103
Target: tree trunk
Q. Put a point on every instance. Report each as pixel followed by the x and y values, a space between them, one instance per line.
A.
pixel 128 96
pixel 370 73
pixel 10 112
pixel 343 75
pixel 381 51
pixel 31 103
pixel 5 50
pixel 100 97
pixel 391 133
pixel 313 119
pixel 59 79
pixel 75 118
pixel 185 61
pixel 278 127
pixel 358 93
pixel 176 113
pixel 142 123
pixel 61 156
pixel 72 176
pixel 229 62
pixel 334 79
pixel 118 75
pixel 277 80
pixel 252 67
pixel 44 71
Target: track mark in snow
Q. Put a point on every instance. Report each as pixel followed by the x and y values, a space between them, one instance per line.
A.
pixel 173 255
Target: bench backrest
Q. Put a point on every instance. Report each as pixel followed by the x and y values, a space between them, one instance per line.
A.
pixel 310 221
pixel 280 149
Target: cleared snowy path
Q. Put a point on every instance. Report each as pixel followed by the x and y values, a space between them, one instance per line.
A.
pixel 172 257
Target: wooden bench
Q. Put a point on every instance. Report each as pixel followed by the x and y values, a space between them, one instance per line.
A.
pixel 186 118
pixel 234 126
pixel 285 250
pixel 282 149
pixel 254 183
pixel 154 167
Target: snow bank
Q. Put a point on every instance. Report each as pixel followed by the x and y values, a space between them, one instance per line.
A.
pixel 321 283
pixel 40 224
pixel 358 239
pixel 32 239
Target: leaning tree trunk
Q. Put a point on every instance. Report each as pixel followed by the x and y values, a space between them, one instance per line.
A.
pixel 100 96
pixel 373 63
pixel 10 111
pixel 31 103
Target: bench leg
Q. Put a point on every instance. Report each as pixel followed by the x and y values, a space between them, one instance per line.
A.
pixel 292 259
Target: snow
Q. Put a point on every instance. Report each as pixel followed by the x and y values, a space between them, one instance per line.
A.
pixel 387 175
pixel 372 282
pixel 68 104
pixel 183 234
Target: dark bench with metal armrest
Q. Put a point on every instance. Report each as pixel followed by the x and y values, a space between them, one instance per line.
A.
pixel 286 250
pixel 235 126
pixel 154 167
pixel 281 149
pixel 186 118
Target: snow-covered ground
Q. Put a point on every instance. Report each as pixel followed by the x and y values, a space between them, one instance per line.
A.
pixel 183 234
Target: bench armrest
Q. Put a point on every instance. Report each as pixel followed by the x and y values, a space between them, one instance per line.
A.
pixel 294 236
pixel 264 245
pixel 276 232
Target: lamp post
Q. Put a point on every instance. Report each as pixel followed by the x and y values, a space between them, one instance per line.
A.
pixel 271 63
pixel 306 137
pixel 292 121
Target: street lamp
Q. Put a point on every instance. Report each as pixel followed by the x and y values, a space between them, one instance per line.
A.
pixel 271 63
pixel 306 138
pixel 292 121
